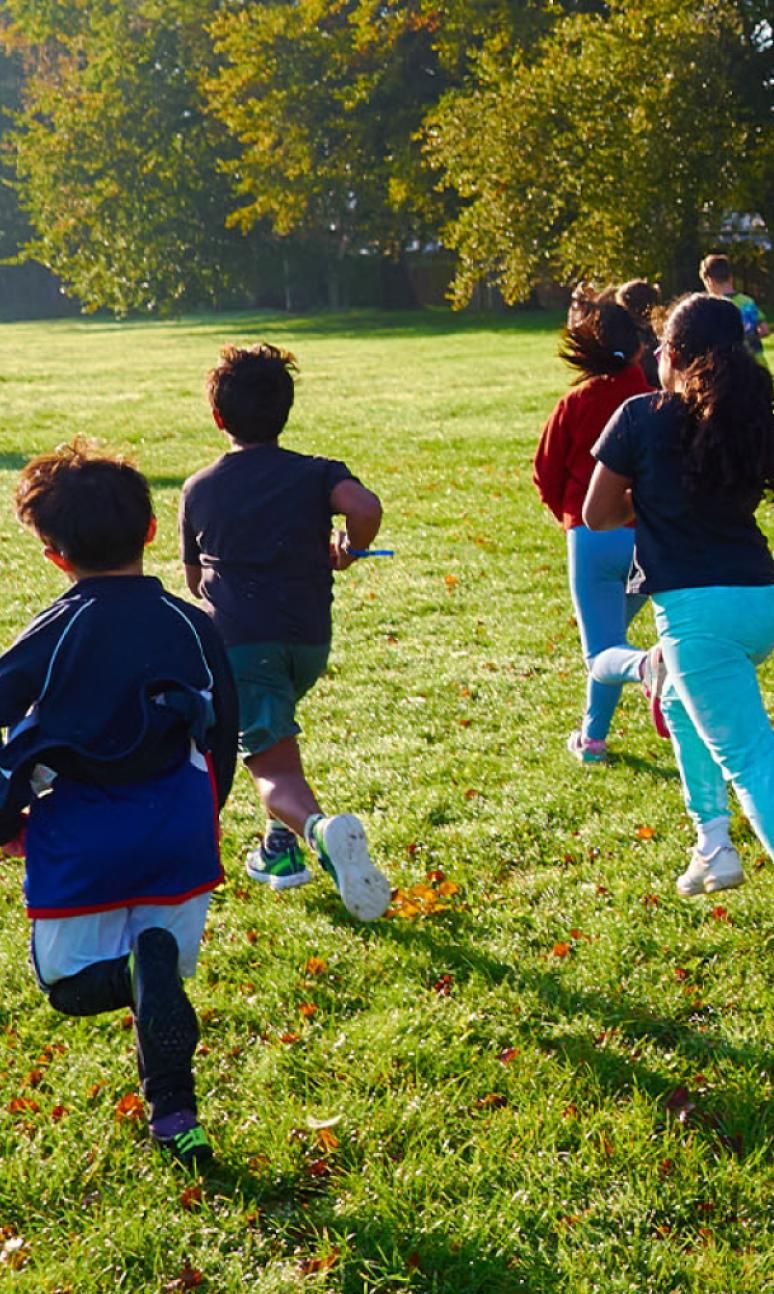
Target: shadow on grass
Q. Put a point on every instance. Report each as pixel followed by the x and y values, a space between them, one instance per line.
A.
pixel 639 764
pixel 12 462
pixel 356 323
pixel 729 1120
pixel 166 482
pixel 302 1211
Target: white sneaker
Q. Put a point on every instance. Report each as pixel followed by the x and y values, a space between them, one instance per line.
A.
pixel 343 852
pixel 722 870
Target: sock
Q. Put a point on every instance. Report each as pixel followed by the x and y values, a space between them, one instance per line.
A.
pixel 169 1125
pixel 713 835
pixel 277 838
pixel 309 827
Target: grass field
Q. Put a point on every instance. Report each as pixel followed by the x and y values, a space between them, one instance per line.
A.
pixel 545 1072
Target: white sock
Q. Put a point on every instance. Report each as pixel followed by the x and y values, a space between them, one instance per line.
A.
pixel 713 835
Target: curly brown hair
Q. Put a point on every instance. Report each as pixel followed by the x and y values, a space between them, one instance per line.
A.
pixel 93 508
pixel 251 390
pixel 727 433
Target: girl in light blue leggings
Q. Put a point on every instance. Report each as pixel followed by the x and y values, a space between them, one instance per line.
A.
pixel 693 466
pixel 603 348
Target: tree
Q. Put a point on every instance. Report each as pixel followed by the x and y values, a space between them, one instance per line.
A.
pixel 118 164
pixel 600 153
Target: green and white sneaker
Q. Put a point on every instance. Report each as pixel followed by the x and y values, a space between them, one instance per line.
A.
pixel 280 871
pixel 342 849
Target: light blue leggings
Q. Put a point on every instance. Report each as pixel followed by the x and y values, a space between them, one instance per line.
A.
pixel 712 640
pixel 598 563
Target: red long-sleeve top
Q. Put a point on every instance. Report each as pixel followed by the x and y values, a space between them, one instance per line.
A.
pixel 563 464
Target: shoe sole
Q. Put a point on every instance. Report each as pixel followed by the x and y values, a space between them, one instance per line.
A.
pixel 290 882
pixel 653 697
pixel 710 886
pixel 364 891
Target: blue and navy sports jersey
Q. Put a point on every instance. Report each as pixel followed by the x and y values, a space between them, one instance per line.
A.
pixel 109 687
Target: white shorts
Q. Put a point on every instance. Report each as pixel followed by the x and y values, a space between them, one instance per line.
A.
pixel 63 946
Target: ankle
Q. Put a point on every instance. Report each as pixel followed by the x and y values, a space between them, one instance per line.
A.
pixel 309 827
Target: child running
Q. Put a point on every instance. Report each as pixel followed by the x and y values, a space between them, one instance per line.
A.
pixel 715 273
pixel 603 348
pixel 120 749
pixel 255 534
pixel 693 465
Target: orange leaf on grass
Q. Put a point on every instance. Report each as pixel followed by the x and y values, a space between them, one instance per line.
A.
pixel 318 1168
pixel 508 1054
pixel 316 966
pixel 312 1266
pixel 22 1105
pixel 307 1009
pixel 447 888
pixel 719 913
pixel 129 1107
pixel 443 986
pixel 326 1140
pixel 188 1279
pixel 561 950
pixel 451 581
pixel 58 1112
pixel 650 900
pixel 290 1038
pixel 492 1100
pixel 191 1197
pixel 645 833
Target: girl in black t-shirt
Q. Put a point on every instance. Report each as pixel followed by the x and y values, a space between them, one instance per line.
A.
pixel 693 465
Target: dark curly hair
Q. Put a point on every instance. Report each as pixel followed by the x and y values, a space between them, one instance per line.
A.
pixel 604 342
pixel 251 390
pixel 727 434
pixel 93 508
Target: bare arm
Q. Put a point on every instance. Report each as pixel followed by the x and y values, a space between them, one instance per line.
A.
pixel 608 502
pixel 362 512
pixel 193 578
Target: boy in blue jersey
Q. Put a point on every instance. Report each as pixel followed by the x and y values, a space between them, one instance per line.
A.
pixel 257 545
pixel 120 717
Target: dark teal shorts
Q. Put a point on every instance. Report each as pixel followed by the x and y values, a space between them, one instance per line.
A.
pixel 271 678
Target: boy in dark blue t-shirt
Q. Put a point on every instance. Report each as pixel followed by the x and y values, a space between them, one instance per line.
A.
pixel 121 728
pixel 256 542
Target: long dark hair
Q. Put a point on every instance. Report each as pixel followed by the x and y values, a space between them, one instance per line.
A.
pixel 727 434
pixel 602 343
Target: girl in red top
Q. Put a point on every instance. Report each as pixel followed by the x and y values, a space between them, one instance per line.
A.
pixel 603 348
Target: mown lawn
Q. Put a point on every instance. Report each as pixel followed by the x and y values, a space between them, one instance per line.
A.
pixel 545 1072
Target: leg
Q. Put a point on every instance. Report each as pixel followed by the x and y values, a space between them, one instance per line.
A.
pixel 284 791
pixel 712 639
pixel 598 566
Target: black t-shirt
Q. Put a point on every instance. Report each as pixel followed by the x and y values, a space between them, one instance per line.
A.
pixel 683 541
pixel 258 522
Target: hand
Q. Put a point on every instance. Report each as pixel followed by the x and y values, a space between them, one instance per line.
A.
pixel 338 549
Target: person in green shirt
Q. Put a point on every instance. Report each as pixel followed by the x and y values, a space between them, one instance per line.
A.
pixel 715 274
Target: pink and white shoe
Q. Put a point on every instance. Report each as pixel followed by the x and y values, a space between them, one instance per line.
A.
pixel 653 678
pixel 587 750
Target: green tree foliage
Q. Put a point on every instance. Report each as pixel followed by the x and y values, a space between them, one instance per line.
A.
pixel 14 229
pixel 324 98
pixel 117 162
pixel 601 153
